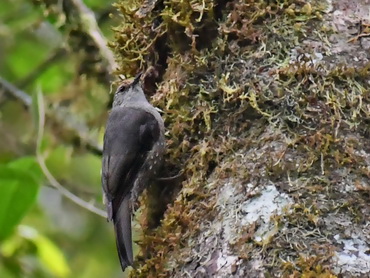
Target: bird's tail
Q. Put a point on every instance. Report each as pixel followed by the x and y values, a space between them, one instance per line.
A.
pixel 122 226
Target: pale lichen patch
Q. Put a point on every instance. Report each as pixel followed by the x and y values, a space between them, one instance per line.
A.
pixel 354 257
pixel 260 209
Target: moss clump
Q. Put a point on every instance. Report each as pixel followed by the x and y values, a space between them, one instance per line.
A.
pixel 308 268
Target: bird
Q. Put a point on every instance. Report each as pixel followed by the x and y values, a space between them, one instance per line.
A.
pixel 133 150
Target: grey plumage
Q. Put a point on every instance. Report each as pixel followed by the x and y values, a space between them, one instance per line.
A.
pixel 134 145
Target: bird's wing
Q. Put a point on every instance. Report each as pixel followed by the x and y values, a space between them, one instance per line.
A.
pixel 130 134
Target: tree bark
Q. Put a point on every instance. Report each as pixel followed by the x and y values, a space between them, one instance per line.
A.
pixel 267 107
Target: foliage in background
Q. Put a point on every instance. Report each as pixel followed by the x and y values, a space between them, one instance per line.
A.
pixel 42 234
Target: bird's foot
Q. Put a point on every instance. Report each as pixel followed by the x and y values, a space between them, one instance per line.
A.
pixel 134 203
pixel 174 180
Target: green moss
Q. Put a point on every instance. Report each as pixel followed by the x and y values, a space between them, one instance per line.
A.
pixel 307 267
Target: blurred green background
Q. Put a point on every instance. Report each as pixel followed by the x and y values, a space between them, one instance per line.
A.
pixel 44 53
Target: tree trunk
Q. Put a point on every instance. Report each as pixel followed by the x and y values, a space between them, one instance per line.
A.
pixel 267 106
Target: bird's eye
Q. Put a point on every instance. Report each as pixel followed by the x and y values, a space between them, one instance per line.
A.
pixel 123 87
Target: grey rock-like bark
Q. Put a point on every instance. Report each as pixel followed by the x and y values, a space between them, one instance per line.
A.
pixel 283 225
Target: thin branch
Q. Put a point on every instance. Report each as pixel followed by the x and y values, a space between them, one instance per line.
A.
pixel 65 192
pixel 41 68
pixel 15 92
pixel 58 54
pixel 77 12
pixel 88 143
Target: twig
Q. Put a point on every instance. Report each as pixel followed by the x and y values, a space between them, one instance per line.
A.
pixel 17 93
pixel 77 12
pixel 356 38
pixel 65 192
pixel 27 101
pixel 58 54
pixel 363 32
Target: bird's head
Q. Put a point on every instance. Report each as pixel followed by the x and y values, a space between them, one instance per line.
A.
pixel 129 91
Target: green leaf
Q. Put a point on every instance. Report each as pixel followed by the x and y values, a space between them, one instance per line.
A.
pixel 5 273
pixel 49 254
pixel 29 164
pixel 18 192
pixel 19 55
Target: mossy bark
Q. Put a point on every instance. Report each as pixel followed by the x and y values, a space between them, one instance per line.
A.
pixel 266 106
